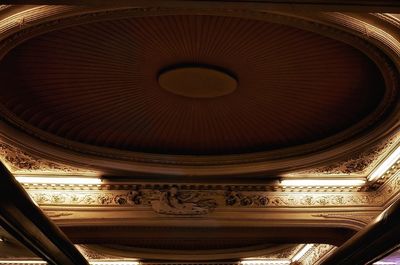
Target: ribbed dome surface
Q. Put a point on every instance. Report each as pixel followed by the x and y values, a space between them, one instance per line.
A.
pixel 98 84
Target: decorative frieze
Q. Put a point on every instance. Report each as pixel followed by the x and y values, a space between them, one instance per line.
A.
pixel 390 185
pixel 360 163
pixel 287 253
pixel 175 201
pixel 316 254
pixel 20 162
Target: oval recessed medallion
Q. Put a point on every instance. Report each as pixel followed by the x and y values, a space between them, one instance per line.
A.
pixel 197 82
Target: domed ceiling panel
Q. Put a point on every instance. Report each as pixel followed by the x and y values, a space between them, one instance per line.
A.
pixel 98 84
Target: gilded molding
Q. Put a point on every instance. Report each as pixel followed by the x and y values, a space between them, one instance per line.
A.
pixel 54 214
pixel 364 218
pixel 360 163
pixel 90 254
pixel 206 199
pixel 389 184
pixel 222 196
pixel 288 253
pixel 388 18
pixel 366 30
pixel 20 162
pixel 317 254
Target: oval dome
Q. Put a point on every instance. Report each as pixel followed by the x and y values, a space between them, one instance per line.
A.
pixel 98 84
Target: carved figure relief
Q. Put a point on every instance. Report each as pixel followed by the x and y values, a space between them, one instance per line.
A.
pixel 174 202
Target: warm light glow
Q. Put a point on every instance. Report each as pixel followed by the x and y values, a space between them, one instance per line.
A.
pixel 111 262
pixel 114 262
pixel 322 182
pixel 22 262
pixel 384 263
pixel 59 180
pixel 386 165
pixel 302 252
pixel 265 262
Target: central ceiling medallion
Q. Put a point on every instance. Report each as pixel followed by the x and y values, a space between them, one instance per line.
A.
pixel 197 81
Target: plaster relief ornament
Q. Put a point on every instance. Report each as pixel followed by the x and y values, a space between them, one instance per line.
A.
pixel 360 163
pixel 135 197
pixel 174 202
pixel 233 198
pixel 20 162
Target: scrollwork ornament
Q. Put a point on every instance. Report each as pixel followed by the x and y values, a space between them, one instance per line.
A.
pixel 173 197
pixel 19 162
pixel 357 164
pixel 233 198
pixel 317 254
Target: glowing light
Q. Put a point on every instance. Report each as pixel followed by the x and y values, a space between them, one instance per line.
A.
pixel 384 263
pixel 59 180
pixel 302 252
pixel 265 262
pixel 386 165
pixel 114 262
pixel 111 262
pixel 322 182
pixel 22 262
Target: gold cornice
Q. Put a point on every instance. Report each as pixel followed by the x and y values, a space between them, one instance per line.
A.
pixel 21 162
pixel 118 203
pixel 317 255
pixel 69 202
pixel 236 199
pixel 363 218
pixel 359 164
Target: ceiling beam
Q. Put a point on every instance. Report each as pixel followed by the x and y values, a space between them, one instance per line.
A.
pixel 27 223
pixel 373 242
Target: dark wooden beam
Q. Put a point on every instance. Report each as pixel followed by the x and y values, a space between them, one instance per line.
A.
pixel 291 5
pixel 27 223
pixel 373 242
pixel 133 235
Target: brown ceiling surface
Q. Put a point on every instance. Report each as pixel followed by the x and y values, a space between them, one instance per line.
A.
pixel 97 84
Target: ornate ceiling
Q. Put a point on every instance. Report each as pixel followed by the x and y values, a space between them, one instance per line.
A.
pixel 306 92
pixel 197 175
pixel 97 84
